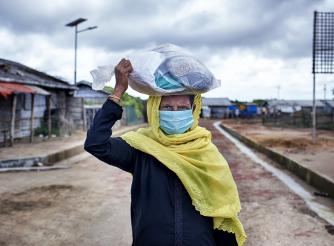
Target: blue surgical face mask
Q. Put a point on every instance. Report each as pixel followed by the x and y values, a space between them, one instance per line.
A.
pixel 166 82
pixel 176 122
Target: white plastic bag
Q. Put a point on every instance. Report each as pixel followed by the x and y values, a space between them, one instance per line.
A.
pixel 163 70
pixel 101 76
pixel 144 64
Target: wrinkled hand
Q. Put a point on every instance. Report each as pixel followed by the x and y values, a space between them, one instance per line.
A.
pixel 122 71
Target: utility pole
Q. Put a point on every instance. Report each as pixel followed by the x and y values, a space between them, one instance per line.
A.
pixel 75 24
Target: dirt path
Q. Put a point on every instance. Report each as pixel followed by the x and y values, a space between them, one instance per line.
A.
pixel 271 213
pixel 89 204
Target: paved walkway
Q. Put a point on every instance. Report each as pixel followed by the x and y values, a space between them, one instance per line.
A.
pixel 47 147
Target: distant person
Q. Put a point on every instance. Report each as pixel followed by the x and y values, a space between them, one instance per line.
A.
pixel 237 112
pixel 182 186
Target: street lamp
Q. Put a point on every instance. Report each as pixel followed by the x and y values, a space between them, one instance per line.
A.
pixel 75 24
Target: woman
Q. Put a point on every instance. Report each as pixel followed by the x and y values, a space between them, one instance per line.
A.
pixel 182 191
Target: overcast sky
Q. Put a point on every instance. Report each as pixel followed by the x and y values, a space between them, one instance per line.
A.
pixel 254 47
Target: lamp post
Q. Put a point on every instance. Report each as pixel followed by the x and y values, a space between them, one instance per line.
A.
pixel 75 24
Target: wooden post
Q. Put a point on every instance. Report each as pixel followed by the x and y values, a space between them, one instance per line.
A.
pixel 48 103
pixel 32 115
pixel 12 122
pixel 83 114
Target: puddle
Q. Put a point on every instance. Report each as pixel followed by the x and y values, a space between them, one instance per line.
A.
pixel 33 198
pixel 321 210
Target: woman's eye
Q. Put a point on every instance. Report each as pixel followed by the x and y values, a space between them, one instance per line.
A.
pixel 170 108
pixel 167 108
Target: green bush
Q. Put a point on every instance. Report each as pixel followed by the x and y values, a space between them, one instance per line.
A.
pixel 43 129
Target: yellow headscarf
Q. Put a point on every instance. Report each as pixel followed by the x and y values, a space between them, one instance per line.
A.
pixel 199 165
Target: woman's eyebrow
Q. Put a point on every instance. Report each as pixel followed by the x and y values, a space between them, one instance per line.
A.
pixel 166 105
pixel 184 105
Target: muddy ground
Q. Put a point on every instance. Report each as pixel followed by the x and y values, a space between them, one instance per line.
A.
pixel 291 138
pixel 295 143
pixel 89 204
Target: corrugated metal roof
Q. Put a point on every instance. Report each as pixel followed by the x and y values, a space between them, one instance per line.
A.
pixel 305 103
pixel 302 103
pixel 39 90
pixel 329 103
pixel 84 82
pixel 7 89
pixel 85 90
pixel 14 72
pixel 223 101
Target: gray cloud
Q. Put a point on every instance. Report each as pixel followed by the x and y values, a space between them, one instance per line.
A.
pixel 255 44
pixel 268 27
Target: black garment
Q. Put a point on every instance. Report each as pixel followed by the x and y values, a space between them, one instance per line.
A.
pixel 161 209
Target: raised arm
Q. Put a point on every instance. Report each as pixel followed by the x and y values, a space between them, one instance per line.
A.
pixel 99 141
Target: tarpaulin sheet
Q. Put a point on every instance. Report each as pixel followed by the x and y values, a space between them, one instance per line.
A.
pixel 7 89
